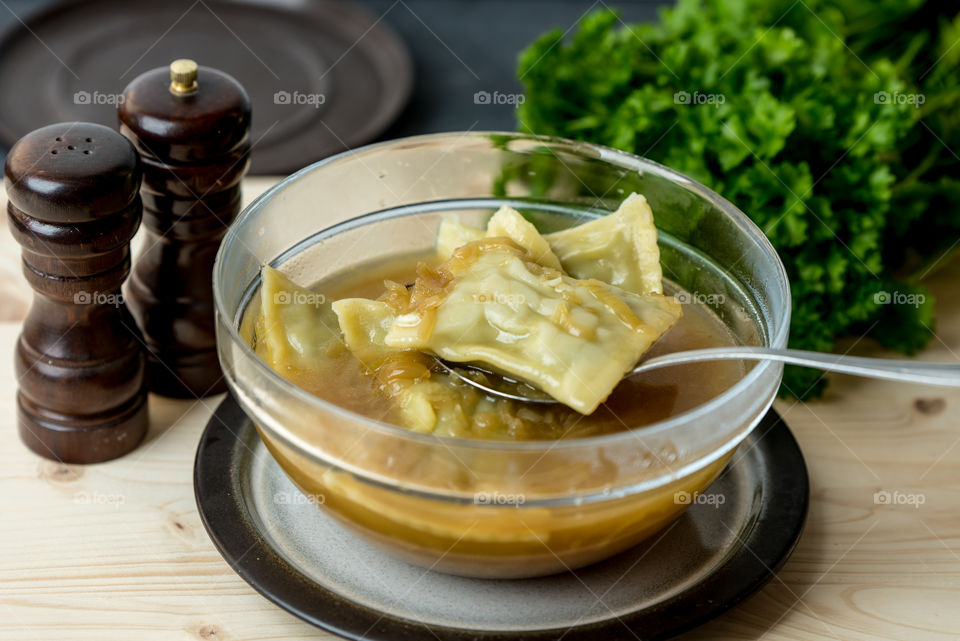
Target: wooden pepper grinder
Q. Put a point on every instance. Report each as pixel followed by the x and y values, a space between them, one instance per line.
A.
pixel 74 206
pixel 191 126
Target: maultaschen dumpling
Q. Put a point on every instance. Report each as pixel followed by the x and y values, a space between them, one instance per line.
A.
pixel 619 249
pixel 492 304
pixel 568 312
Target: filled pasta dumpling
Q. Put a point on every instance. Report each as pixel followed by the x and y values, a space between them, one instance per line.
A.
pixel 569 313
pixel 619 249
pixel 492 304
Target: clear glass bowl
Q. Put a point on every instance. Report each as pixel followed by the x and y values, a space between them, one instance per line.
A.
pixel 494 508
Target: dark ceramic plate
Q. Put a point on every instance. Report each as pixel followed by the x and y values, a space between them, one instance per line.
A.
pixel 322 75
pixel 706 562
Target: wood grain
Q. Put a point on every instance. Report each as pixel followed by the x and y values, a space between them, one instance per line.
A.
pixel 14 291
pixel 117 551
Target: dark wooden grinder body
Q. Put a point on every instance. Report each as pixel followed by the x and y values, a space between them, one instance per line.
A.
pixel 194 149
pixel 74 206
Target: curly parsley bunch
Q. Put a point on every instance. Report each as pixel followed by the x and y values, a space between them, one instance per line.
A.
pixel 812 117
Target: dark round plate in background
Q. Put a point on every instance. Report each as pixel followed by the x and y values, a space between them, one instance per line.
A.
pixel 710 559
pixel 323 75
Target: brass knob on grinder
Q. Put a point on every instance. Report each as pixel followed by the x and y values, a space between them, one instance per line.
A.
pixel 183 76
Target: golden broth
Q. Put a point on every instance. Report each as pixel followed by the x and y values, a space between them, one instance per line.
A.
pixel 636 402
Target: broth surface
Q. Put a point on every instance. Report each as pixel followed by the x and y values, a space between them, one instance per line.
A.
pixel 636 402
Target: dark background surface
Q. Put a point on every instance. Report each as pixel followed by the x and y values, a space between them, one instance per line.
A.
pixel 459 47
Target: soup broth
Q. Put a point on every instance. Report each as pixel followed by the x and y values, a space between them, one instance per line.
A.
pixel 653 396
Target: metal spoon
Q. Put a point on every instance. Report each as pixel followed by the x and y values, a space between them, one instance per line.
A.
pixel 943 374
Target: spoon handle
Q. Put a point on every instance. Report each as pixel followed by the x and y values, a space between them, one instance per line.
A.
pixel 944 374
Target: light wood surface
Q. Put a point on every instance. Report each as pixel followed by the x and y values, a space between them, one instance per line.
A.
pixel 117 551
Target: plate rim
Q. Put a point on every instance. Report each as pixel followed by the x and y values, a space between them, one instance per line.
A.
pixel 771 541
pixel 400 57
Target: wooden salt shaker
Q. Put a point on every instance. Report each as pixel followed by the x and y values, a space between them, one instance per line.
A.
pixel 191 126
pixel 73 206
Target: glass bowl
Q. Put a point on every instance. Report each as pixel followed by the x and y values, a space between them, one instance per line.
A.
pixel 495 508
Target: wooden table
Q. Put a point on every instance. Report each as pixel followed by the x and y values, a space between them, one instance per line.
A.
pixel 117 551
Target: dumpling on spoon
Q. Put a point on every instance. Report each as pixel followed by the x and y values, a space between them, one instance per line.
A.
pixel 491 303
